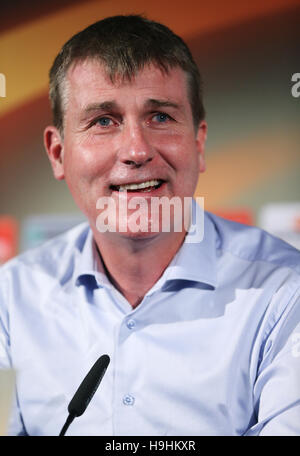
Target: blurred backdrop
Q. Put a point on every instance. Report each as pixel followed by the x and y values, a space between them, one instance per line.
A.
pixel 247 54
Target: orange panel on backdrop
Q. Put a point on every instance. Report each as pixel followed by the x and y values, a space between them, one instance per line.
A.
pixel 237 215
pixel 8 238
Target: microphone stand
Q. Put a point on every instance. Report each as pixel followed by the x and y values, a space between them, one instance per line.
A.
pixel 67 424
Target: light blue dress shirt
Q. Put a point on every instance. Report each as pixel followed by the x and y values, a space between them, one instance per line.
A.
pixel 212 349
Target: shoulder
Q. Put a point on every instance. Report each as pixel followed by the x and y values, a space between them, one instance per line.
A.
pixel 263 271
pixel 254 245
pixel 53 258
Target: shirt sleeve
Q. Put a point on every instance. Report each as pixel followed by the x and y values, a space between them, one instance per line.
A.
pixel 15 426
pixel 5 362
pixel 277 386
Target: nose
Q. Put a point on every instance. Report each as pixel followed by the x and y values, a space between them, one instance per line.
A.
pixel 135 149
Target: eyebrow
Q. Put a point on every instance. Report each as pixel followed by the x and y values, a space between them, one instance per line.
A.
pixel 154 103
pixel 112 105
pixel 104 106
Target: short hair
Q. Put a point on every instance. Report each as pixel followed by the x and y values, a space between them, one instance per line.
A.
pixel 125 44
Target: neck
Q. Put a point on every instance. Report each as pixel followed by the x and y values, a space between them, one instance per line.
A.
pixel 134 265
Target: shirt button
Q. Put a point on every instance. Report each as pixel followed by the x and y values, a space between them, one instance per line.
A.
pixel 128 399
pixel 131 324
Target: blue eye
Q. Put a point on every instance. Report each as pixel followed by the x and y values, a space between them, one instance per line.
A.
pixel 161 117
pixel 104 121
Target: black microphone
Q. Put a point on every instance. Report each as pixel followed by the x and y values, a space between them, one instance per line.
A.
pixel 86 391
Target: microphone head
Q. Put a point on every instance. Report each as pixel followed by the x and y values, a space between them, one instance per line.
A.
pixel 88 387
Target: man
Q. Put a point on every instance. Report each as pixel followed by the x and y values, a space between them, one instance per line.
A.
pixel 203 336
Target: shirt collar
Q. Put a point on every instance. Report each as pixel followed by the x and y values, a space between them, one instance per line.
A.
pixel 89 264
pixel 195 261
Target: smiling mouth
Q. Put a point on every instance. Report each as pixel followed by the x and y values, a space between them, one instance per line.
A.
pixel 146 186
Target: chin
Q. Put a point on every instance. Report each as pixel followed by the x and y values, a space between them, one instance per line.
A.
pixel 139 225
pixel 137 231
pixel 138 236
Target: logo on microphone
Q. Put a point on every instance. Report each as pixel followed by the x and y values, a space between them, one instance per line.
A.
pixel 2 85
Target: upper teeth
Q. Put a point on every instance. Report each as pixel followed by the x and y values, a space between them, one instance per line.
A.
pixel 150 183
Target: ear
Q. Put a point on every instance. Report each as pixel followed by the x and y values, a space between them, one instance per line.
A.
pixel 55 151
pixel 200 141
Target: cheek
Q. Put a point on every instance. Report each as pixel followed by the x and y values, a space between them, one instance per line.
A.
pixel 185 160
pixel 181 153
pixel 85 162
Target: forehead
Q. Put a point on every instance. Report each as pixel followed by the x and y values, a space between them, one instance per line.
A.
pixel 89 81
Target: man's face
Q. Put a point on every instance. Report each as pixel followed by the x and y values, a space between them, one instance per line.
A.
pixel 124 133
